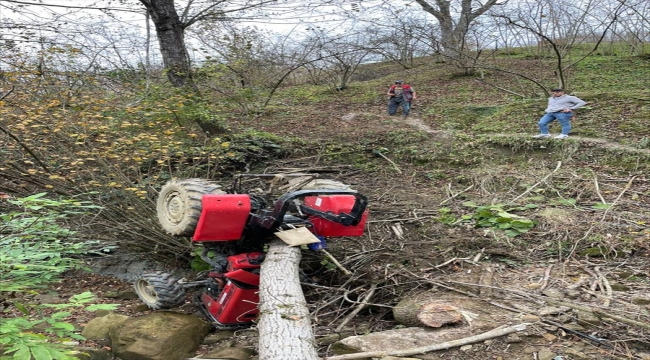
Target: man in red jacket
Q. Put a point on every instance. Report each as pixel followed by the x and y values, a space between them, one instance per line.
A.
pixel 400 95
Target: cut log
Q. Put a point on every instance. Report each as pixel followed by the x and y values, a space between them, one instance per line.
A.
pixel 284 326
pixel 424 309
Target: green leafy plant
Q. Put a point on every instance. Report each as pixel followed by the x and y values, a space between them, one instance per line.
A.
pixel 197 263
pixel 35 249
pixel 498 216
pixel 23 342
pixel 446 216
pixel 565 202
pixel 601 206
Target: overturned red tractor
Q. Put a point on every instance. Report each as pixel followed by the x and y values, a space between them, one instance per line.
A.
pixel 233 227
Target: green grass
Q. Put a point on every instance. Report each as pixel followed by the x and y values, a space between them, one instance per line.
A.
pixel 491 114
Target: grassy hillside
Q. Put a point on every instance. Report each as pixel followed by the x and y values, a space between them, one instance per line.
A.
pixel 615 87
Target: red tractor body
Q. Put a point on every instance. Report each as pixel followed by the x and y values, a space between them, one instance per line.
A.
pixel 233 229
pixel 234 300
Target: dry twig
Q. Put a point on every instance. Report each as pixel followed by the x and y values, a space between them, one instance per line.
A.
pixel 605 284
pixel 591 228
pixel 336 262
pixel 559 164
pixel 598 189
pixel 377 152
pixel 547 276
pixel 455 195
pixel 366 299
pixel 599 312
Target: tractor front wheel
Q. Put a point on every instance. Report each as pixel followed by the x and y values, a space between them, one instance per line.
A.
pixel 159 290
pixel 179 204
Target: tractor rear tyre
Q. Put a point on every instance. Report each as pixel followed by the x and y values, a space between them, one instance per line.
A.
pixel 325 184
pixel 179 204
pixel 159 290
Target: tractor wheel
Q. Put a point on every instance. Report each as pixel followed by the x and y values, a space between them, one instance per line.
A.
pixel 325 184
pixel 179 204
pixel 159 290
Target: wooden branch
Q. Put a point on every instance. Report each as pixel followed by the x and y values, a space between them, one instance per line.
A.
pixel 606 285
pixel 591 228
pixel 599 312
pixel 437 283
pixel 450 261
pixel 7 94
pixel 366 299
pixel 559 164
pixel 627 187
pixel 336 262
pixel 454 196
pixel 500 331
pixel 24 146
pixel 377 152
pixel 402 219
pixel 598 189
pixel 547 276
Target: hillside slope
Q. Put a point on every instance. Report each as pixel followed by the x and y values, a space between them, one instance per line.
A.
pixel 446 183
pixel 464 202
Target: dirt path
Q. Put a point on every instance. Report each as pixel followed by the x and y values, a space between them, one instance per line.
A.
pixel 418 124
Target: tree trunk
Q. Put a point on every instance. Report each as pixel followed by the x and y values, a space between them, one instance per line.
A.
pixel 170 31
pixel 426 309
pixel 453 32
pixel 284 327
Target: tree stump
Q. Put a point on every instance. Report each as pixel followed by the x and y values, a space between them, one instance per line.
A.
pixel 284 326
pixel 425 309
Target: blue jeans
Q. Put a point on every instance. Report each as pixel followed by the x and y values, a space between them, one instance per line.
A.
pixel 394 104
pixel 563 118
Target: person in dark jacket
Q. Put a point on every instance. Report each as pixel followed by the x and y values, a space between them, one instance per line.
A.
pixel 400 94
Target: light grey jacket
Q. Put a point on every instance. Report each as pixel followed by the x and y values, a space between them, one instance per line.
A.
pixel 557 104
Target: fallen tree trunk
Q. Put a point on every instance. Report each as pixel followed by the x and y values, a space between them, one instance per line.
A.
pixel 284 326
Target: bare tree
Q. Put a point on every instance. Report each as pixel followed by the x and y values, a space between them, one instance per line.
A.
pixel 561 31
pixel 170 30
pixel 338 56
pixel 248 66
pixel 403 38
pixel 453 30
pixel 634 26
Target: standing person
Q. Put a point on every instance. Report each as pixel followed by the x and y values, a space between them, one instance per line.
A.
pixel 560 107
pixel 400 94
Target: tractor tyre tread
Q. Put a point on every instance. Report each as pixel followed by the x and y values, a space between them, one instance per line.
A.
pixel 325 184
pixel 179 204
pixel 164 290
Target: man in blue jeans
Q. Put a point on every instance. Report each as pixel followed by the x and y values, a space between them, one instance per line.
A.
pixel 560 107
pixel 400 94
